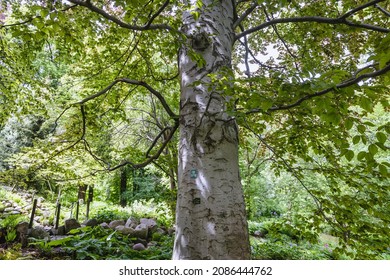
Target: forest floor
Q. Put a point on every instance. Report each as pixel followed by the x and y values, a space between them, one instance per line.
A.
pixel 107 243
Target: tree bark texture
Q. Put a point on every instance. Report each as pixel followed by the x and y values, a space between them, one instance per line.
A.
pixel 210 215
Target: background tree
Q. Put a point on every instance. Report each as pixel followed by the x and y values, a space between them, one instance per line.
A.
pixel 299 77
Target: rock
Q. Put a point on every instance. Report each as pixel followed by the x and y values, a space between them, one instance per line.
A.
pixel 142 241
pixel 152 244
pixel 28 207
pixel 7 204
pixel 22 227
pixel 150 223
pixel 59 231
pixel 8 209
pixel 91 223
pixel 104 225
pixel 161 231
pixel 139 247
pixel 125 230
pixel 259 233
pixel 115 223
pixel 22 230
pixel 39 233
pixel 141 231
pixel 71 224
pixel 171 231
pixel 46 213
pixel 131 223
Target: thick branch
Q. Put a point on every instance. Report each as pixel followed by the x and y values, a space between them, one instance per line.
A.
pixel 344 84
pixel 340 20
pixel 147 26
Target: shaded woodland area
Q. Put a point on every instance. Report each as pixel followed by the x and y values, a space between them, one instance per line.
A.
pixel 194 129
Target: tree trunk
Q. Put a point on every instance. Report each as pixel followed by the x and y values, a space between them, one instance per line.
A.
pixel 210 215
pixel 123 187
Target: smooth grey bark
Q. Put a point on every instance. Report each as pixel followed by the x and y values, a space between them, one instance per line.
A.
pixel 210 215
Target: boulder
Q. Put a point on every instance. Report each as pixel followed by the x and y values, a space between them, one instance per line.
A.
pixel 60 230
pixel 39 233
pixel 150 223
pixel 141 231
pixel 22 228
pixel 104 225
pixel 139 247
pixel 115 223
pixel 125 230
pixel 131 223
pixel 91 223
pixel 71 224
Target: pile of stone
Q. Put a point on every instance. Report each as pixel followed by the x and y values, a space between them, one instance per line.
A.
pixel 145 232
pixel 8 208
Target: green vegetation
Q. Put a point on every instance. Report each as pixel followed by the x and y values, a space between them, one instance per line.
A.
pixel 87 103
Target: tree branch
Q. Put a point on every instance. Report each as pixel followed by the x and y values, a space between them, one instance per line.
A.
pixel 132 82
pixel 340 20
pixel 32 18
pixel 245 14
pixel 316 200
pixel 147 26
pixel 282 40
pixel 151 158
pixel 156 139
pixel 359 8
pixel 387 13
pixel 347 83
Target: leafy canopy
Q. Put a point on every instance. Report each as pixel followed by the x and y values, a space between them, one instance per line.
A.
pixel 311 88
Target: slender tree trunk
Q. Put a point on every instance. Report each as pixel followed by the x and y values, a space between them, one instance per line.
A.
pixel 210 216
pixel 123 187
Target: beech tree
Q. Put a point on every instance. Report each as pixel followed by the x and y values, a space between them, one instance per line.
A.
pixel 298 75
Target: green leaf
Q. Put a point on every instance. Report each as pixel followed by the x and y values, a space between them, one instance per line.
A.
pixel 266 104
pixel 349 155
pixel 361 156
pixel 373 149
pixel 383 170
pixel 381 137
pixel 361 128
pixel 356 139
pixel 348 123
